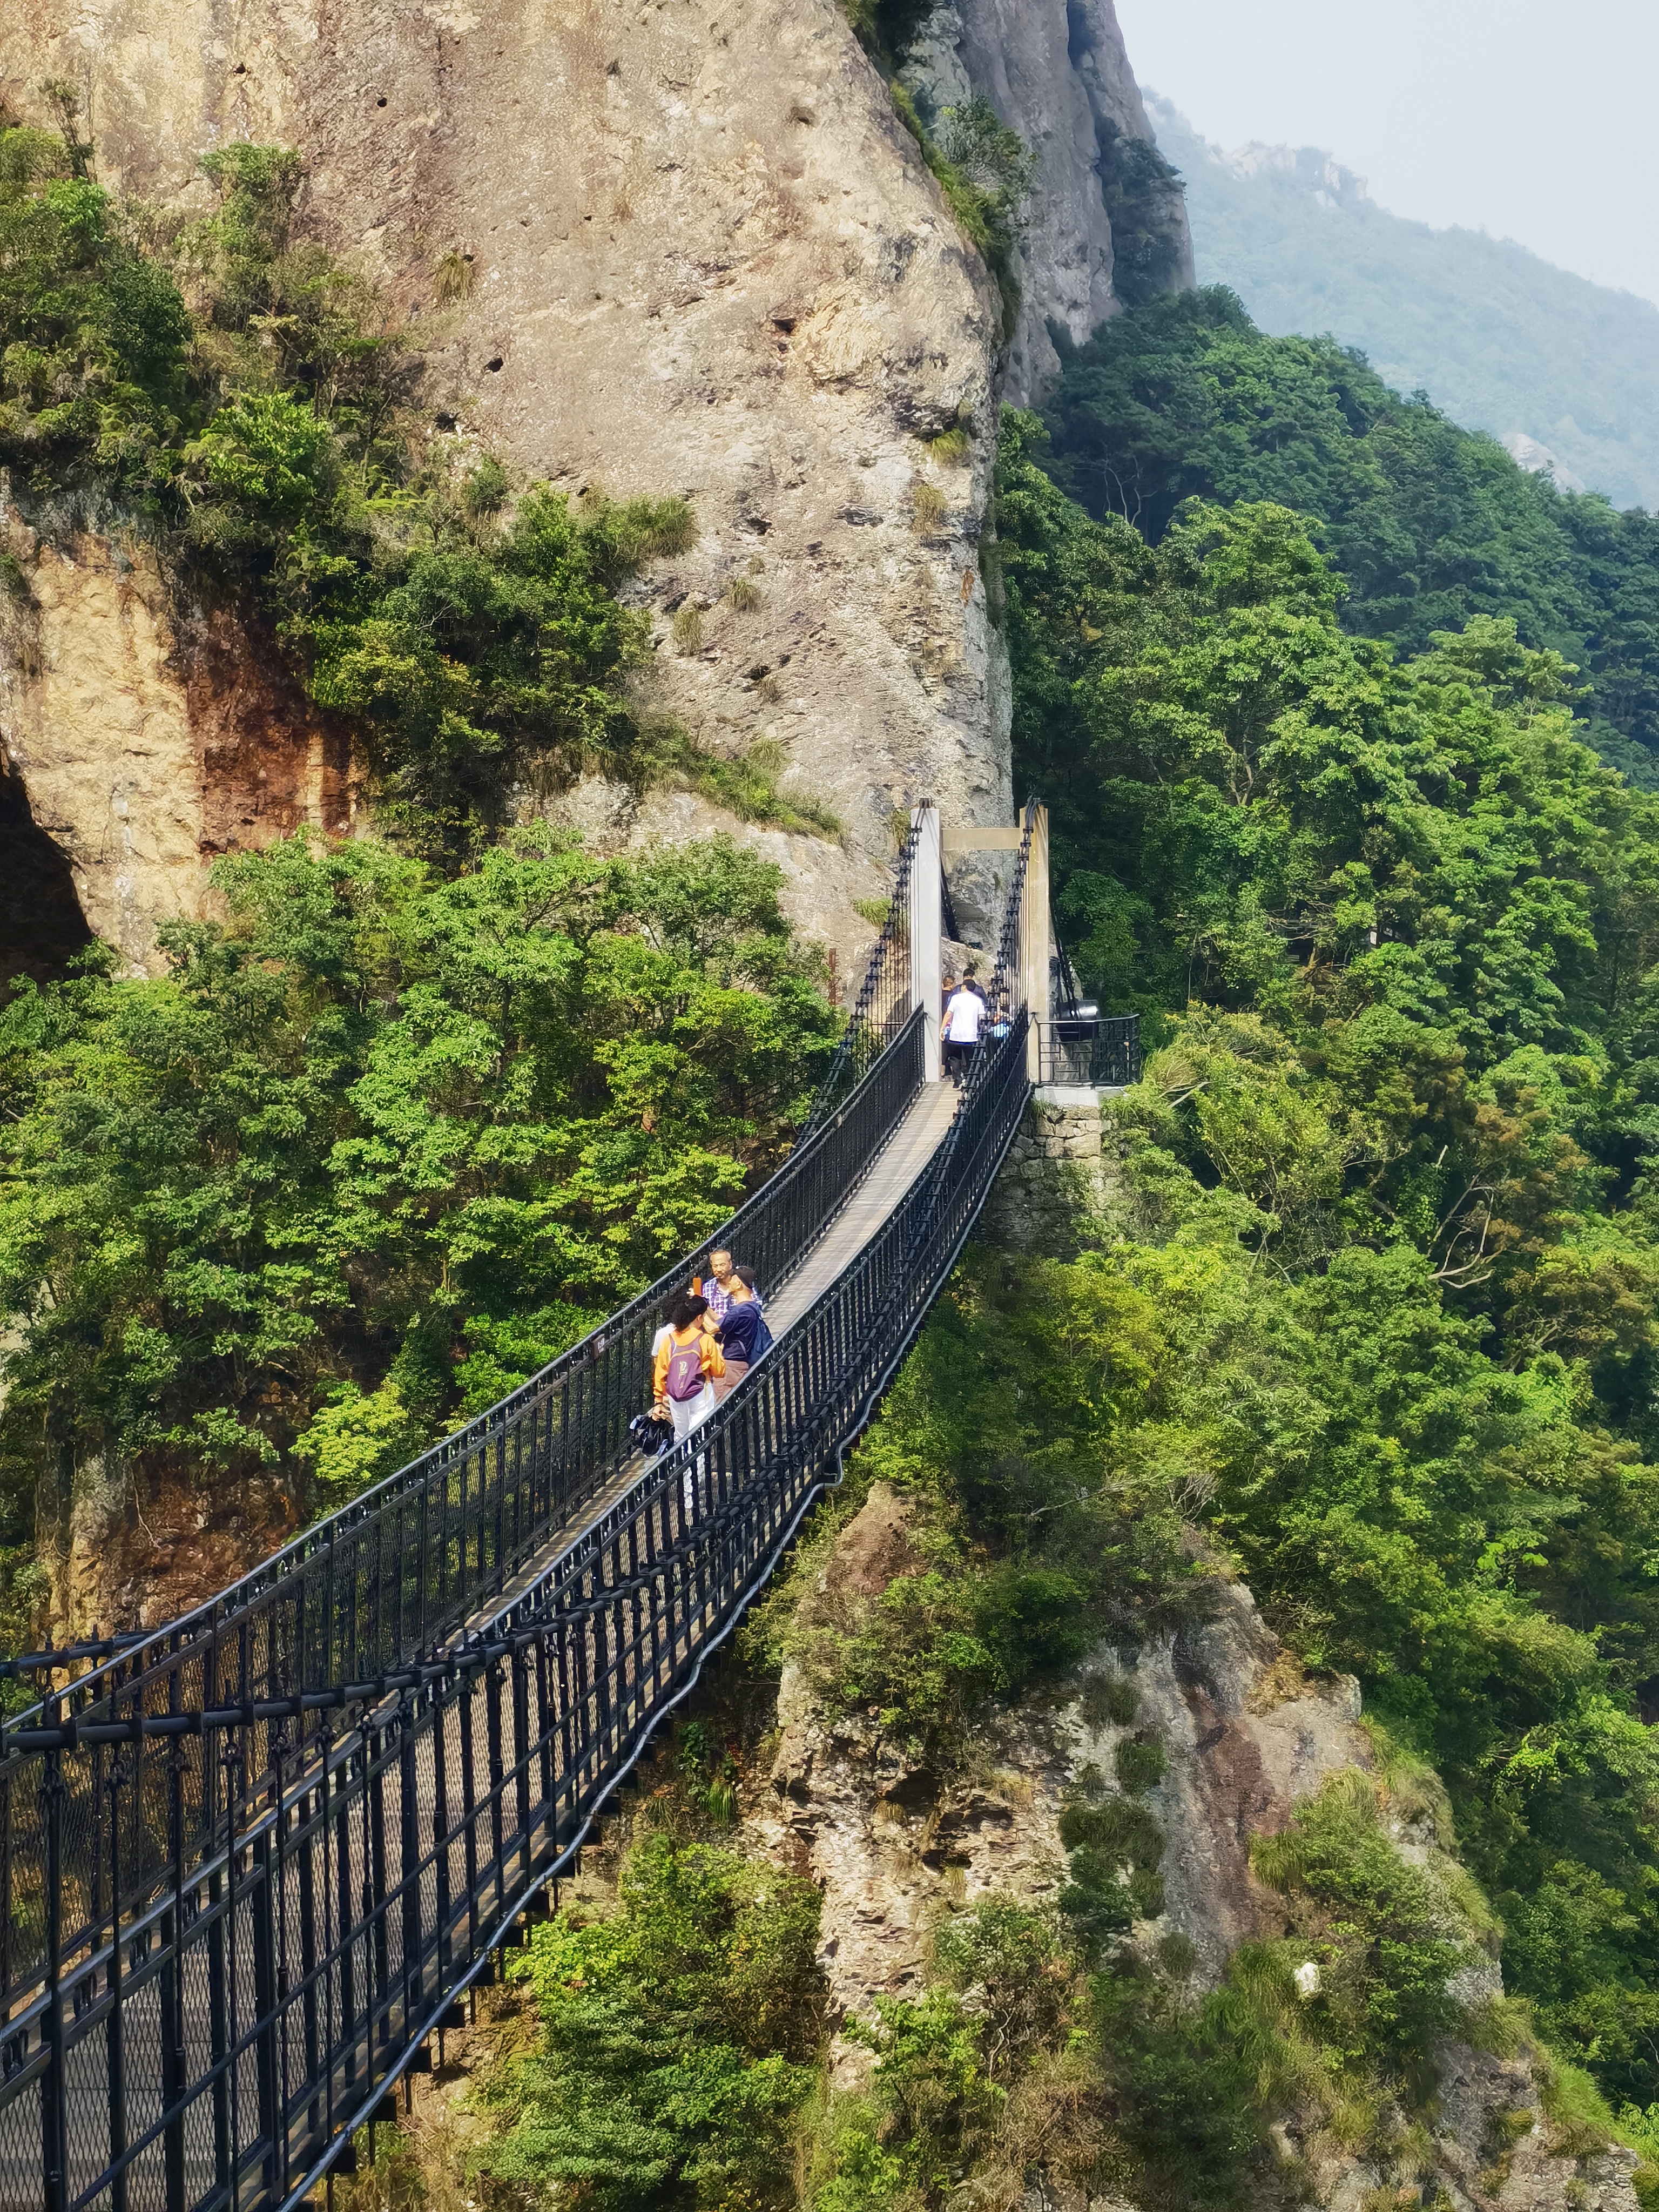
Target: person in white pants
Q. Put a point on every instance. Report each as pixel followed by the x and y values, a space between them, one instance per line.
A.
pixel 688 1362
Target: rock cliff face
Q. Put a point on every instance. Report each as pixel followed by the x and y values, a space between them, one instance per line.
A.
pixel 702 256
pixel 1247 1738
pixel 1057 72
pixel 144 738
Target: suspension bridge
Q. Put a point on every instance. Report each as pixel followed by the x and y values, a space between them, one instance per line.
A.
pixel 252 1861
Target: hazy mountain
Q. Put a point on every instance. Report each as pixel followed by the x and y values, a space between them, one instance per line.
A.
pixel 1564 371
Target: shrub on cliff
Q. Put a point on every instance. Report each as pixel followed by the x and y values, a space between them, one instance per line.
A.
pixel 985 172
pixel 679 2042
pixel 1029 1534
pixel 243 398
pixel 473 636
pixel 488 656
pixel 92 329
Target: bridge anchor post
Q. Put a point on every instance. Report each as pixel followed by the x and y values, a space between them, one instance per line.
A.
pixel 1034 940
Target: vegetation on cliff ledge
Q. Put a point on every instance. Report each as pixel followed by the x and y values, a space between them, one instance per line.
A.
pixel 226 388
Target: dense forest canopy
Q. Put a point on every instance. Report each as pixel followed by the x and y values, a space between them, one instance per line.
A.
pixel 1501 340
pixel 1426 525
pixel 1392 928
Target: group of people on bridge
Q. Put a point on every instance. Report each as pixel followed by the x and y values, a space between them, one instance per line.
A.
pixel 712 1336
pixel 717 1329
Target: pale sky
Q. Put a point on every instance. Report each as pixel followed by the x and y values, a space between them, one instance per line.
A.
pixel 1537 123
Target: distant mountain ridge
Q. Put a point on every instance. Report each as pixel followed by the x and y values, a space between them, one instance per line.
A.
pixel 1500 339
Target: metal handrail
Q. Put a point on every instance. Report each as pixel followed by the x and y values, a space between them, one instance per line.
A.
pixel 883 1003
pixel 449 1493
pixel 246 1864
pixel 1109 1059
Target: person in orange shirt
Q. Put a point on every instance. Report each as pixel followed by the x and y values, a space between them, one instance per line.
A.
pixel 688 1362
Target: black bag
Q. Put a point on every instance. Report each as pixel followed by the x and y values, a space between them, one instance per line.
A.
pixel 649 1435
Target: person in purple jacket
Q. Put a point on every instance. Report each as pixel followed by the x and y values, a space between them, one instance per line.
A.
pixel 743 1334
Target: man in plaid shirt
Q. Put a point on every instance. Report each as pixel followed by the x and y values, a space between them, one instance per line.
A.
pixel 719 1285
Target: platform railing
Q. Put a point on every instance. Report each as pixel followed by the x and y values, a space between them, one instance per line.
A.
pixel 1102 1051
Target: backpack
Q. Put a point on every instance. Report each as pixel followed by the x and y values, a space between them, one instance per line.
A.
pixel 684 1380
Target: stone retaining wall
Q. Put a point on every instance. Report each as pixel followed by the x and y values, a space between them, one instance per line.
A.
pixel 1054 1185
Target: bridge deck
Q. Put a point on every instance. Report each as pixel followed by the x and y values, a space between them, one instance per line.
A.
pixel 895 1167
pixel 354 1868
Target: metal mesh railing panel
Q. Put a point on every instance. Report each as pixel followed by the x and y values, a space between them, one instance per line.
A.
pixel 1109 1056
pixel 885 999
pixel 248 1863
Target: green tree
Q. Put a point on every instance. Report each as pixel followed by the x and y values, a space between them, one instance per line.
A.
pixel 381 1143
pixel 93 330
pixel 1427 524
pixel 1251 805
pixel 679 2038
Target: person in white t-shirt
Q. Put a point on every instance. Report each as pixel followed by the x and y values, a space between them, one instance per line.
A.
pixel 962 1018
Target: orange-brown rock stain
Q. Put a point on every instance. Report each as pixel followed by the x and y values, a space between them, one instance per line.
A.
pixel 154 731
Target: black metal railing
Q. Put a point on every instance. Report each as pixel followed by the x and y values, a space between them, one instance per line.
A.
pixel 1078 1044
pixel 1102 1049
pixel 885 999
pixel 417 1555
pixel 247 1862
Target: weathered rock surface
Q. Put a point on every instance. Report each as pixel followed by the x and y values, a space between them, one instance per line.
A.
pixel 704 258
pixel 1056 71
pixel 895 1848
pixel 1495 2152
pixel 821 876
pixel 118 1554
pixel 1489 2148
pixel 1247 1737
pixel 148 741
